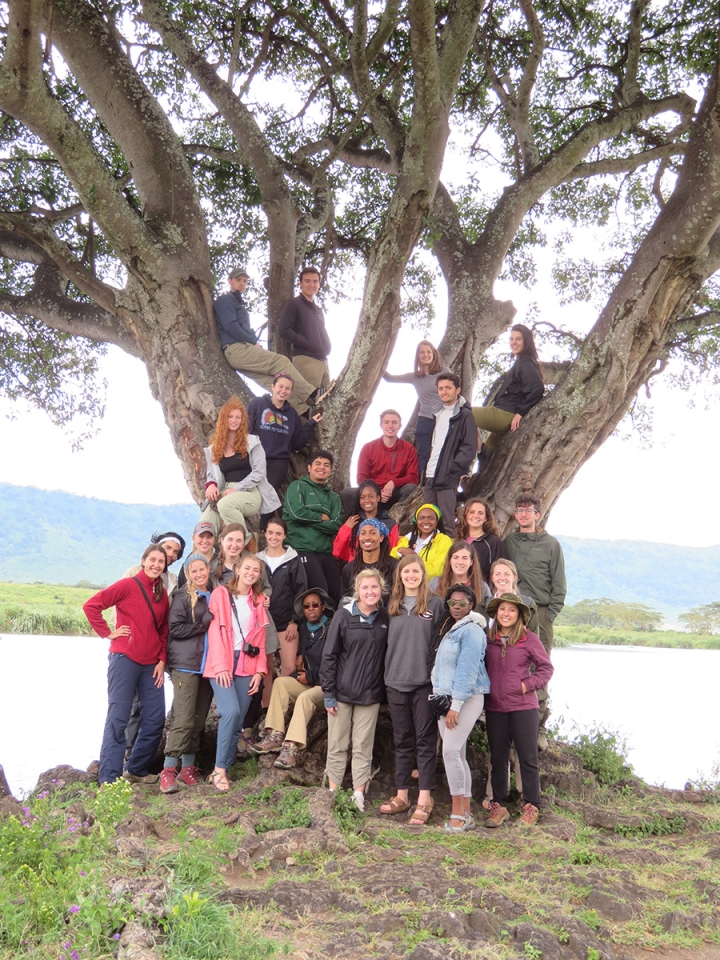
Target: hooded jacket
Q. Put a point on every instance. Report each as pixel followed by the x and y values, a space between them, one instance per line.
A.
pixel 508 673
pixel 187 642
pixel 459 669
pixel 280 431
pixel 287 580
pixel 305 502
pixel 432 554
pixel 459 449
pixel 541 568
pixel 353 660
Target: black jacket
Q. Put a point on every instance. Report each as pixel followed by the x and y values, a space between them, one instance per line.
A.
pixel 233 320
pixel 458 451
pixel 488 548
pixel 310 647
pixel 186 639
pixel 288 580
pixel 522 386
pixel 302 324
pixel 353 661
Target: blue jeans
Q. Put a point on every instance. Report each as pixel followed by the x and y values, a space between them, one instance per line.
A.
pixel 423 438
pixel 125 679
pixel 232 704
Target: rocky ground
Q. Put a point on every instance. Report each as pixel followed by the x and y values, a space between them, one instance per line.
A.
pixel 607 873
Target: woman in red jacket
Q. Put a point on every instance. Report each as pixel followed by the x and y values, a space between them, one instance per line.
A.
pixel 511 707
pixel 236 660
pixel 136 664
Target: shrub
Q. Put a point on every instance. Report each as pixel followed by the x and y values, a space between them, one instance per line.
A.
pixel 604 753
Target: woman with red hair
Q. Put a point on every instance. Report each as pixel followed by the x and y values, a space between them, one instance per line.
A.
pixel 237 486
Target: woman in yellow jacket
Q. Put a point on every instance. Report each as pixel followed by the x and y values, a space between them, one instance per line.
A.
pixel 426 540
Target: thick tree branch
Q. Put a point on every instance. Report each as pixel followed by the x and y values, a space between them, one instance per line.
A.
pixel 385 29
pixel 629 87
pixel 524 130
pixel 454 44
pixel 25 96
pixel 136 123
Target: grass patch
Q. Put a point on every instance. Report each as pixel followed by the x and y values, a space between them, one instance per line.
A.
pixel 199 926
pixel 565 634
pixel 293 810
pixel 45 609
pixel 604 753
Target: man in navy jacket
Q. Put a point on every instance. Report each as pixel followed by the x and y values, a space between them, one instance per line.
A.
pixel 244 353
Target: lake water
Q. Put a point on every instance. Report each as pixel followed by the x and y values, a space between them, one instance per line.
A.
pixel 54 698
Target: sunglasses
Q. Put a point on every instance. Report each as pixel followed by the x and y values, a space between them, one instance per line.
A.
pixel 458 603
pixel 311 606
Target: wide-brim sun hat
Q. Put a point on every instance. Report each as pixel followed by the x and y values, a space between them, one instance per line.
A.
pixel 318 591
pixel 513 598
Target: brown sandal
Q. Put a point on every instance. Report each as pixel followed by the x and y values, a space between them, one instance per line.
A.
pixel 395 805
pixel 220 781
pixel 421 814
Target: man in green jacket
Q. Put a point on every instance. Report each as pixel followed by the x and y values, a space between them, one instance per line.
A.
pixel 541 575
pixel 313 515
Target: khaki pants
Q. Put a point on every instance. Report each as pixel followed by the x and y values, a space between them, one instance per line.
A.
pixel 233 509
pixel 261 366
pixel 361 721
pixel 493 419
pixel 288 690
pixel 314 371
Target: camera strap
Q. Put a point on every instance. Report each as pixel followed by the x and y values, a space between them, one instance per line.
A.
pixel 237 618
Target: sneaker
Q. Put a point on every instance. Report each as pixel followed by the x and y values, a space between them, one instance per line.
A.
pixel 189 776
pixel 134 778
pixel 498 814
pixel 358 798
pixel 168 776
pixel 271 743
pixel 529 816
pixel 288 756
pixel 542 741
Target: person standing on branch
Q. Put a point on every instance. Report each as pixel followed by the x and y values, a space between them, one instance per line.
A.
pixel 428 364
pixel 302 325
pixel 453 449
pixel 242 350
pixel 522 387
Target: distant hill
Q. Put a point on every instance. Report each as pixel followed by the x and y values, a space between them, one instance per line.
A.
pixel 56 537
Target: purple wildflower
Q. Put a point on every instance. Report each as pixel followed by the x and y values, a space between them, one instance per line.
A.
pixel 74 909
pixel 74 955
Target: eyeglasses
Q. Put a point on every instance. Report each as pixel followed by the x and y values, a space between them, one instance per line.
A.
pixel 458 603
pixel 311 606
pixel 526 510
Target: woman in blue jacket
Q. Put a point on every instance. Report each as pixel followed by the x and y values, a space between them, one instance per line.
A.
pixel 459 674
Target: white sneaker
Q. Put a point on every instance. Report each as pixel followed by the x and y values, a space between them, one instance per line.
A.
pixel 358 798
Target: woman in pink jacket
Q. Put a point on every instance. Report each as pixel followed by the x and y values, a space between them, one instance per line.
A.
pixel 236 660
pixel 511 707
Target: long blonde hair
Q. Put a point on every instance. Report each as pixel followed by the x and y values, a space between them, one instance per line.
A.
pixel 234 584
pixel 192 590
pixel 398 588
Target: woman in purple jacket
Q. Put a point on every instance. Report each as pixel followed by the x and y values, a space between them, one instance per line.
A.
pixel 511 707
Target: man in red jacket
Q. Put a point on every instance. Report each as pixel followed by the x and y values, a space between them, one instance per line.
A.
pixel 391 462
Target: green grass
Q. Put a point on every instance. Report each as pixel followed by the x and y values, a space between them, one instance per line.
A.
pixel 565 635
pixel 46 609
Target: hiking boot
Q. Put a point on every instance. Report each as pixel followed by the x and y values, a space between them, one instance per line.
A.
pixel 189 776
pixel 271 743
pixel 320 394
pixel 358 798
pixel 288 756
pixel 168 776
pixel 134 778
pixel 498 814
pixel 542 740
pixel 529 816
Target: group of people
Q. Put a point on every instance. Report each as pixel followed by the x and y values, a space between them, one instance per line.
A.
pixel 439 623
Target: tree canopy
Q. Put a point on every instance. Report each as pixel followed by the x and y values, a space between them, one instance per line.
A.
pixel 147 146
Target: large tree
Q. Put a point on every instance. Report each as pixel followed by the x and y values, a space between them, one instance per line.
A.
pixel 146 145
